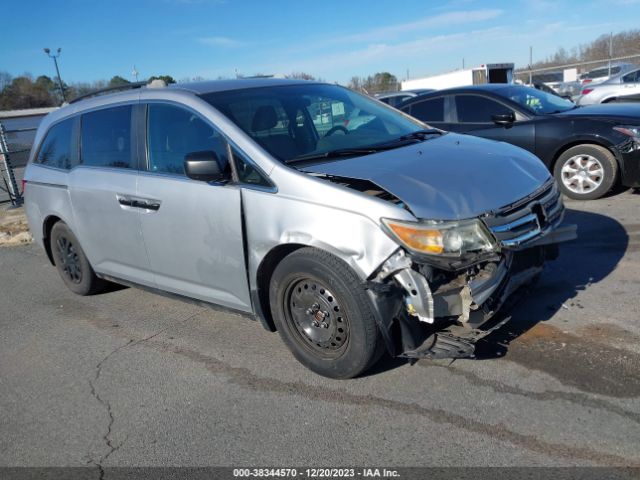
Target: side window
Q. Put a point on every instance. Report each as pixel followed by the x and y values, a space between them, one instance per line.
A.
pixel 632 77
pixel 247 173
pixel 477 109
pixel 106 138
pixel 173 132
pixel 429 110
pixel 56 149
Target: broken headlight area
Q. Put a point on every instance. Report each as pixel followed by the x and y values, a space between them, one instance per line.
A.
pixel 429 312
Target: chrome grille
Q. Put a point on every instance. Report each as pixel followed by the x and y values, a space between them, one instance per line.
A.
pixel 528 218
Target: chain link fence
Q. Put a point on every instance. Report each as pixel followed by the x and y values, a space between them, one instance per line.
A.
pixel 563 73
pixel 17 132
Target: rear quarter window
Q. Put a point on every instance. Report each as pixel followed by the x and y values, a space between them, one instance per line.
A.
pixel 56 148
pixel 106 138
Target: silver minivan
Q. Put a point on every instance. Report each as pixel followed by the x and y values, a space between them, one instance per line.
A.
pixel 345 225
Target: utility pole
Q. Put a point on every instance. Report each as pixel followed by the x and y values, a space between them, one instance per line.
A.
pixel 531 65
pixel 55 62
pixel 135 73
pixel 463 63
pixel 610 50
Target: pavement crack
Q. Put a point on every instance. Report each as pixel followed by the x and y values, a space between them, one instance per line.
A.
pixel 107 437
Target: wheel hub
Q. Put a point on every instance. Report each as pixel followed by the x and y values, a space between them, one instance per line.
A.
pixel 317 315
pixel 582 173
pixel 70 260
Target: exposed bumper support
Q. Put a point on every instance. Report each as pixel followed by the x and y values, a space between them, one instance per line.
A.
pixel 418 299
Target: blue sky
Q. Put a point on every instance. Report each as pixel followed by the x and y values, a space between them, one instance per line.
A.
pixel 331 39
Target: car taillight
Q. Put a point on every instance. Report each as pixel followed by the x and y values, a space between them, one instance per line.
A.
pixel 24 185
pixel 587 91
pixel 586 80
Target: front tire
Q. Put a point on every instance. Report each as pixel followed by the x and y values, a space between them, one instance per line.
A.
pixel 71 262
pixel 323 314
pixel 586 172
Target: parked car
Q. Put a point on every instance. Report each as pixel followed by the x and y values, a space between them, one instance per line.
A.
pixel 602 74
pixel 624 87
pixel 386 236
pixel 588 149
pixel 545 88
pixel 396 98
pixel 569 90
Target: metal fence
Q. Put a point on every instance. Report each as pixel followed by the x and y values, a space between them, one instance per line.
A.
pixel 16 138
pixel 546 74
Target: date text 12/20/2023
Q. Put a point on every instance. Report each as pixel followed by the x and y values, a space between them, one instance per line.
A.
pixel 316 472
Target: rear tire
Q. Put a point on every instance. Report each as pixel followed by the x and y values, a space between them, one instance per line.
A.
pixel 71 262
pixel 586 172
pixel 323 314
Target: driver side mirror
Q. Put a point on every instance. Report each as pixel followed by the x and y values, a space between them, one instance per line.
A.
pixel 504 119
pixel 205 166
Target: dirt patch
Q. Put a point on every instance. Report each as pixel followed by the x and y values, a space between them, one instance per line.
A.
pixel 608 332
pixel 14 229
pixel 584 362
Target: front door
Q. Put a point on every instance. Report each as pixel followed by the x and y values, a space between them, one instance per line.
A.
pixel 474 116
pixel 192 229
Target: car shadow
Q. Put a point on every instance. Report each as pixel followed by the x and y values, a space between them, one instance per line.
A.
pixel 601 244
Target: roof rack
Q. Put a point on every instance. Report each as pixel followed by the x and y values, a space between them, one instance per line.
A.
pixel 125 86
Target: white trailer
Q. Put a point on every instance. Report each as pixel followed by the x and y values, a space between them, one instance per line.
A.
pixel 489 73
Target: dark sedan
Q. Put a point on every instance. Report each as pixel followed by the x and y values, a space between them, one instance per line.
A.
pixel 588 149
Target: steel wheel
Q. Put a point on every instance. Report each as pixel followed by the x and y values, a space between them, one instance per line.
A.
pixel 317 316
pixel 70 260
pixel 582 173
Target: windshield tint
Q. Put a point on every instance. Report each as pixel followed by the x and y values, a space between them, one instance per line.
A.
pixel 302 120
pixel 537 101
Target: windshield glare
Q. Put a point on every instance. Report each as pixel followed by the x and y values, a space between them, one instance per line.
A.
pixel 302 120
pixel 537 101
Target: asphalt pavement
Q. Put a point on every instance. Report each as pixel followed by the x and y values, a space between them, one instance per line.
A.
pixel 131 378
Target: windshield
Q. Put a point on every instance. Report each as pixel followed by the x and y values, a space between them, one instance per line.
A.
pixel 294 121
pixel 537 101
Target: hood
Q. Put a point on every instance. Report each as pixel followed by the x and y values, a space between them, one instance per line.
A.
pixel 612 111
pixel 451 177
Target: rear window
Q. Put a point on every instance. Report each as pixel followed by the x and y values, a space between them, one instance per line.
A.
pixel 429 110
pixel 56 150
pixel 106 138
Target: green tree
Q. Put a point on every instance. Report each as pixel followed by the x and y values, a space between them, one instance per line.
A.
pixel 117 80
pixel 23 92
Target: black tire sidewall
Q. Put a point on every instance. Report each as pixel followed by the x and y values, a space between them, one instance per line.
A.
pixel 606 159
pixel 361 348
pixel 88 282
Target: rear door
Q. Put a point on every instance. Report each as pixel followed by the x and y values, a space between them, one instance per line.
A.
pixel 192 229
pixel 631 86
pixel 473 115
pixel 102 189
pixel 430 110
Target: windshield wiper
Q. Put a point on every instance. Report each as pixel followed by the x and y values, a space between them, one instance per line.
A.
pixel 342 152
pixel 420 134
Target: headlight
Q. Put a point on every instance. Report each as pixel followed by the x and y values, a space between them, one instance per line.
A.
pixel 629 130
pixel 441 238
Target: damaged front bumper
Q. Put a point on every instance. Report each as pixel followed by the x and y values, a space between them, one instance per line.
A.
pixel 427 312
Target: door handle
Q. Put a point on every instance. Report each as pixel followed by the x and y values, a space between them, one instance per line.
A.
pixel 147 204
pixel 124 201
pixel 142 203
